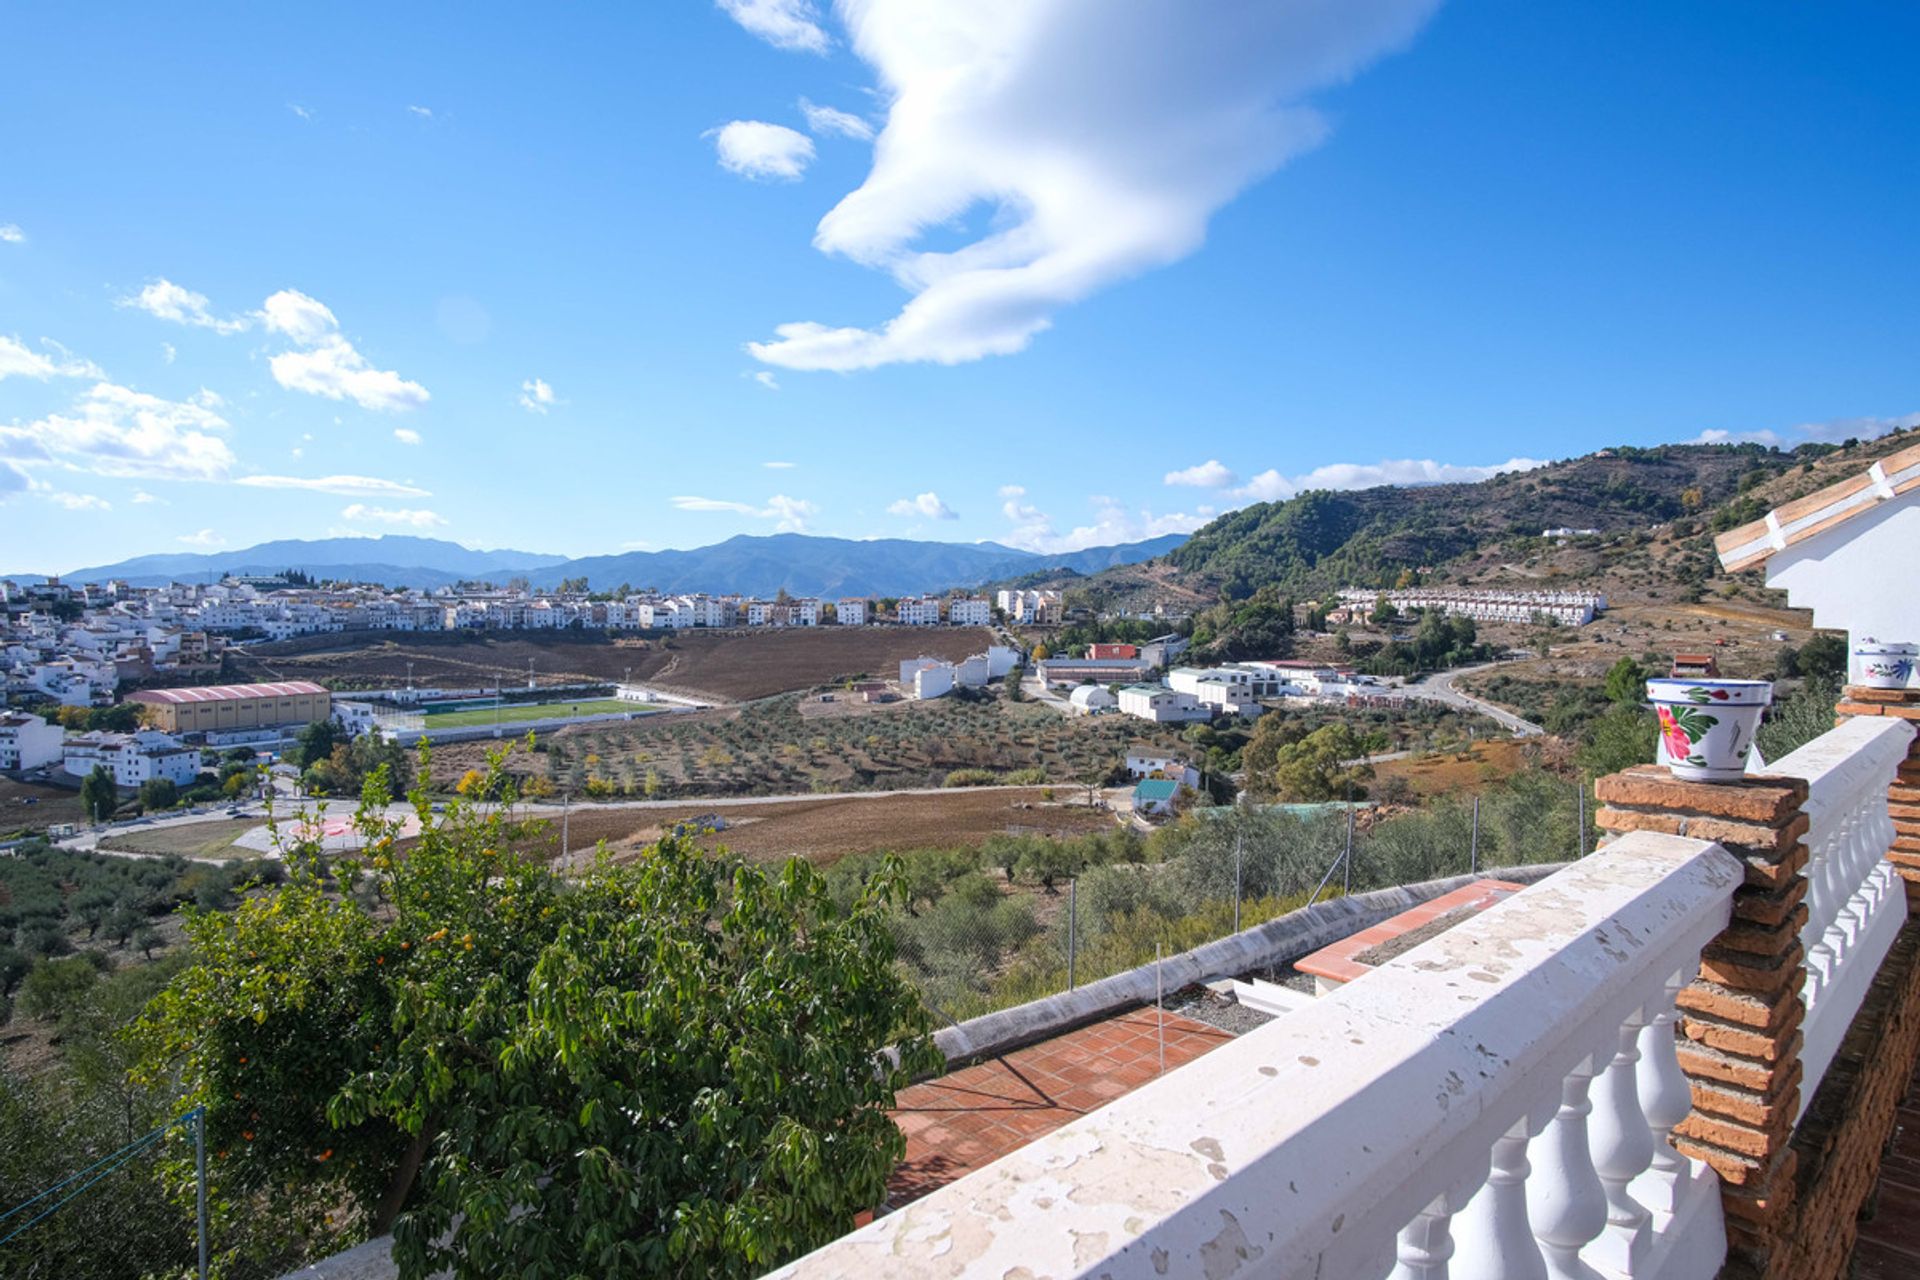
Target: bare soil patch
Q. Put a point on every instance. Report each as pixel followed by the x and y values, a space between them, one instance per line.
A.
pixel 28 807
pixel 1480 766
pixel 723 665
pixel 823 831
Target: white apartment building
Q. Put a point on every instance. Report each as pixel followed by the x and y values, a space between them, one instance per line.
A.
pixel 132 758
pixel 1029 605
pixel 29 742
pixel 1162 705
pixel 923 612
pixel 851 613
pixel 935 681
pixel 970 611
pixel 1570 608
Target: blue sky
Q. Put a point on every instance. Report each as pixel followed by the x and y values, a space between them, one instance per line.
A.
pixel 573 279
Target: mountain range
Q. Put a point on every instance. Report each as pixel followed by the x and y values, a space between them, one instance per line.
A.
pixel 798 563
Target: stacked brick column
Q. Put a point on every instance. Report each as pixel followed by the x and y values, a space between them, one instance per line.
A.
pixel 1904 795
pixel 1742 1014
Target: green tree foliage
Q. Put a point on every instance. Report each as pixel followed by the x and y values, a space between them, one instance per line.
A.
pixel 1260 626
pixel 345 771
pixel 1318 767
pixel 1626 682
pixel 314 743
pixel 1824 657
pixel 1623 735
pixel 159 793
pixel 98 796
pixel 1800 718
pixel 666 1066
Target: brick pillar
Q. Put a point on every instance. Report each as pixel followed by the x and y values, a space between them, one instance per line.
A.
pixel 1741 1015
pixel 1903 797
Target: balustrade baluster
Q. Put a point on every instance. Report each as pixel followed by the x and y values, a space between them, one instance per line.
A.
pixel 1813 936
pixel 1847 924
pixel 1565 1201
pixel 1491 1235
pixel 1622 1147
pixel 1426 1243
pixel 1666 1098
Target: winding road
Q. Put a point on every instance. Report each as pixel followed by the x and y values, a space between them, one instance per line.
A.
pixel 1440 687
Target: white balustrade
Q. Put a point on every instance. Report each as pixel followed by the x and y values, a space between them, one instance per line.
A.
pixel 1494 1104
pixel 1855 906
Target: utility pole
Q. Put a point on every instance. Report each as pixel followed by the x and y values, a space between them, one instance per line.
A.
pixel 1346 859
pixel 200 1181
pixel 1238 839
pixel 1473 856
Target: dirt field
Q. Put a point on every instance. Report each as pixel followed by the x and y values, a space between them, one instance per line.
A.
pixel 192 840
pixel 775 747
pixel 723 665
pixel 48 806
pixel 824 830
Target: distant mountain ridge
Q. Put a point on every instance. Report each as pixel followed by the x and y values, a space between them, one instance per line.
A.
pixel 801 564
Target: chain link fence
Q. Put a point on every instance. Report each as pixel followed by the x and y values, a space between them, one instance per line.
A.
pixel 1027 916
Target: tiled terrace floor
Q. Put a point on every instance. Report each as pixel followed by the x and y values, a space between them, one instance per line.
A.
pixel 974 1116
pixel 1889 1247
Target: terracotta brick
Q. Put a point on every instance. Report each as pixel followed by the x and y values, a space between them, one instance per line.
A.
pixel 1745 971
pixel 1733 1168
pixel 1741 1042
pixel 1755 1144
pixel 1703 1063
pixel 1755 938
pixel 1765 874
pixel 1906 844
pixel 1772 1111
pixel 1769 906
pixel 1767 1012
pixel 1759 798
pixel 1848 708
pixel 1861 693
pixel 1909 812
pixel 1740 838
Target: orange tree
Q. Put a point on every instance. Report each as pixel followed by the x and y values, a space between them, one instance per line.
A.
pixel 668 1066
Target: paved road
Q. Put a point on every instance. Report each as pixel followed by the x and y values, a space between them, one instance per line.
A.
pixel 1440 688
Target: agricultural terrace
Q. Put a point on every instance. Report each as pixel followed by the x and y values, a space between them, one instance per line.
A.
pixel 522 712
pixel 725 666
pixel 790 744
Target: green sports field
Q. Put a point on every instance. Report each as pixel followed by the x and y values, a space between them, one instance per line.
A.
pixel 519 712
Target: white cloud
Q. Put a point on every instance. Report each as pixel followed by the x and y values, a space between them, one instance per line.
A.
pixel 78 501
pixel 305 113
pixel 1834 430
pixel 1210 474
pixel 344 486
pixel 327 364
pixel 766 379
pixel 115 431
pixel 142 498
pixel 789 514
pixel 166 300
pixel 10 233
pixel 204 538
pixel 13 479
pixel 779 466
pixel 1100 149
pixel 410 517
pixel 167 352
pixel 406 435
pixel 18 360
pixel 928 505
pixel 536 396
pixel 784 24
pixel 756 149
pixel 425 113
pixel 1715 435
pixel 1113 523
pixel 1271 486
pixel 826 120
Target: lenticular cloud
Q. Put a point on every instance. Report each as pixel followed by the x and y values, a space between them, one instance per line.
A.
pixel 1092 147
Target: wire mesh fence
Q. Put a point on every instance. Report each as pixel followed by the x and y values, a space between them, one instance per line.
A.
pixel 1026 918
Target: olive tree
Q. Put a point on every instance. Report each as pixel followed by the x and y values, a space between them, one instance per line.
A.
pixel 666 1066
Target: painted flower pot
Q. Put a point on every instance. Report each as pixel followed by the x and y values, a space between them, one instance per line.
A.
pixel 1880 665
pixel 1707 726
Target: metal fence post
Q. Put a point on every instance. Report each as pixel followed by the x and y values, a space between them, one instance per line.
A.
pixel 1073 929
pixel 1238 840
pixel 1580 802
pixel 200 1180
pixel 1473 852
pixel 1346 859
pixel 1160 1008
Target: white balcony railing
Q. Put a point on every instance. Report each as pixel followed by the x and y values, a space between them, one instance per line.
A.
pixel 1493 1104
pixel 1855 902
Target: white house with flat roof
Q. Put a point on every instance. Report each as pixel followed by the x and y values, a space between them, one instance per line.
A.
pixel 29 742
pixel 1162 705
pixel 132 758
pixel 850 612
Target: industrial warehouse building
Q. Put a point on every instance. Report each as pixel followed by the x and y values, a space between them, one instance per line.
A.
pixel 218 708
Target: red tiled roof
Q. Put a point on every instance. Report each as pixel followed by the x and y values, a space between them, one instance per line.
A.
pixel 228 692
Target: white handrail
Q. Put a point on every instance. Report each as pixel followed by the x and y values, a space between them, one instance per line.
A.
pixel 1356 1137
pixel 1855 904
